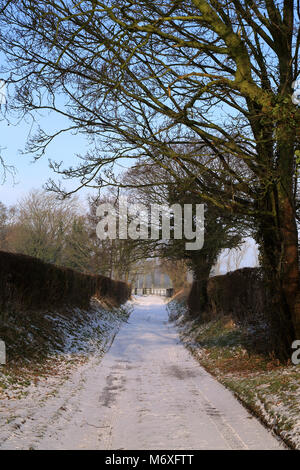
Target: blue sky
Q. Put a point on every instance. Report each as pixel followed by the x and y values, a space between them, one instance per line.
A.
pixel 33 175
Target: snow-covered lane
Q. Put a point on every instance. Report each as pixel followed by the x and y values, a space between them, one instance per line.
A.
pixel 147 392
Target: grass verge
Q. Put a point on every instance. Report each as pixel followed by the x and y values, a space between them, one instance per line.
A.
pixel 46 345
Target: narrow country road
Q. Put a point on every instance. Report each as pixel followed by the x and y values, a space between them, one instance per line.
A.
pixel 148 392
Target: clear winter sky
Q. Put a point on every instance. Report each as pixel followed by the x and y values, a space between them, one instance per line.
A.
pixel 33 175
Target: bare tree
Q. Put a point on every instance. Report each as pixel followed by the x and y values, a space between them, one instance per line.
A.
pixel 41 226
pixel 141 77
pixel 116 258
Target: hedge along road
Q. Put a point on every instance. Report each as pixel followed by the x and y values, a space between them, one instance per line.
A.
pixel 148 392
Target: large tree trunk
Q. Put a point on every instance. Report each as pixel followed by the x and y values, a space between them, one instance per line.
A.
pixel 290 269
pixel 278 239
pixel 198 299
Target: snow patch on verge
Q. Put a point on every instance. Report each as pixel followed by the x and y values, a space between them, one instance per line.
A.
pixel 84 337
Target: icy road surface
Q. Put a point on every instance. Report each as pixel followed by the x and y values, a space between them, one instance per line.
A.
pixel 147 392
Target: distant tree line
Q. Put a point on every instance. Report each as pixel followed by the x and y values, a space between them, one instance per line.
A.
pixel 64 233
